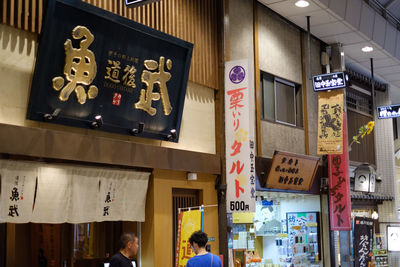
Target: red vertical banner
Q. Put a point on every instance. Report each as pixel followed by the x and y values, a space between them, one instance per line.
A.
pixel 339 186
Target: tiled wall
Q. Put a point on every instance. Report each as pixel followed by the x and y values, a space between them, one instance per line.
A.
pixel 384 144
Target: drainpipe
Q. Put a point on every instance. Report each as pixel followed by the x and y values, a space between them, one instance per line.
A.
pixel 372 87
pixel 373 101
pixel 308 49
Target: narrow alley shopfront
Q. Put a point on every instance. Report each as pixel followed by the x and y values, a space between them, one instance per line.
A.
pixel 286 227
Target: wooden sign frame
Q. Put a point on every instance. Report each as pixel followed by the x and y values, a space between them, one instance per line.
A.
pixel 291 171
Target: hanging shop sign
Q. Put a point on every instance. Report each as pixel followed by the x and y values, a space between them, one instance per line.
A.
pixel 17 185
pixel 95 69
pixel 330 121
pixel 240 158
pixel 339 187
pixel 291 171
pixel 329 81
pixel 363 241
pixel 388 112
pixel 188 223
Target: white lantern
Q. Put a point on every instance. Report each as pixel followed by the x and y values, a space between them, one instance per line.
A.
pixel 364 178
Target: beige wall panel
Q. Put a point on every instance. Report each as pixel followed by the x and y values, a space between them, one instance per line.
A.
pixel 158 225
pixel 241 45
pixel 312 97
pixel 385 162
pixel 282 138
pixel 279 46
pixel 241 30
pixel 384 145
pixel 198 121
pixel 280 55
pixel 17 59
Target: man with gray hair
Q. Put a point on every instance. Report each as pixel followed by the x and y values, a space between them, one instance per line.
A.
pixel 128 248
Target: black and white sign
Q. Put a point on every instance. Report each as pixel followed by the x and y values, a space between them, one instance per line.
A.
pixel 363 234
pixel 387 112
pixel 329 81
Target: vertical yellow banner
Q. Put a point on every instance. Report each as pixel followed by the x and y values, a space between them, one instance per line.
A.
pixel 188 222
pixel 330 122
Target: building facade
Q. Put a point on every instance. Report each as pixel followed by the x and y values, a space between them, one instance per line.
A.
pixel 167 163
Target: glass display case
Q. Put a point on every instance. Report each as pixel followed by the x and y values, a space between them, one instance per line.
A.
pixel 284 232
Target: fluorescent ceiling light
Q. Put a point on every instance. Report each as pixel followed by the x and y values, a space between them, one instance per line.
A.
pixel 367 49
pixel 302 3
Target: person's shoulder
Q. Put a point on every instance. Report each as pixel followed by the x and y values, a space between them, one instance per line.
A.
pixel 216 256
pixel 115 260
pixel 116 256
pixel 189 262
pixel 217 260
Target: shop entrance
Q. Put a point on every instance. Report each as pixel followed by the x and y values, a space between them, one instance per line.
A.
pixel 3 232
pixel 62 245
pixel 182 198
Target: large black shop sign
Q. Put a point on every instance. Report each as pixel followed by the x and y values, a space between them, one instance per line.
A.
pixel 97 69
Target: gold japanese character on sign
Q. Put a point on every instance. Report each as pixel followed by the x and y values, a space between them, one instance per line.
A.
pixel 80 68
pixel 113 71
pixel 129 77
pixel 149 79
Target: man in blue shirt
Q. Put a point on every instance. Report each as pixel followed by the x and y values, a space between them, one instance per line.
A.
pixel 198 240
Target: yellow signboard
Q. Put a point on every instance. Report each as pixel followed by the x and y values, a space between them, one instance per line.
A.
pixel 243 217
pixel 188 222
pixel 330 121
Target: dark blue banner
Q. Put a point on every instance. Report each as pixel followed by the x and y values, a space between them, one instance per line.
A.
pixel 99 70
pixel 363 241
pixel 387 112
pixel 329 81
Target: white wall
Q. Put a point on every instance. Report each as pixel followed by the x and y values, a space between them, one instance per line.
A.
pixel 17 58
pixel 384 145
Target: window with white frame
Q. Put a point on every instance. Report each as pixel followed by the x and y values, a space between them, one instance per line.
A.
pixel 281 100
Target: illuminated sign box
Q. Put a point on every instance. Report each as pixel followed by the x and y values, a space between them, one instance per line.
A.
pixel 95 69
pixel 329 81
pixel 387 112
pixel 393 238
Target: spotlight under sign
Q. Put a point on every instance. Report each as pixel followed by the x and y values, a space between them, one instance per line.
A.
pixel 329 81
pixel 135 3
pixel 388 112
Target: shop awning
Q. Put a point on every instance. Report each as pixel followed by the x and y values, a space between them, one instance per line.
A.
pixel 370 196
pixel 49 193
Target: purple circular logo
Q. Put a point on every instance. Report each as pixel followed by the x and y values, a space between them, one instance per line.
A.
pixel 237 74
